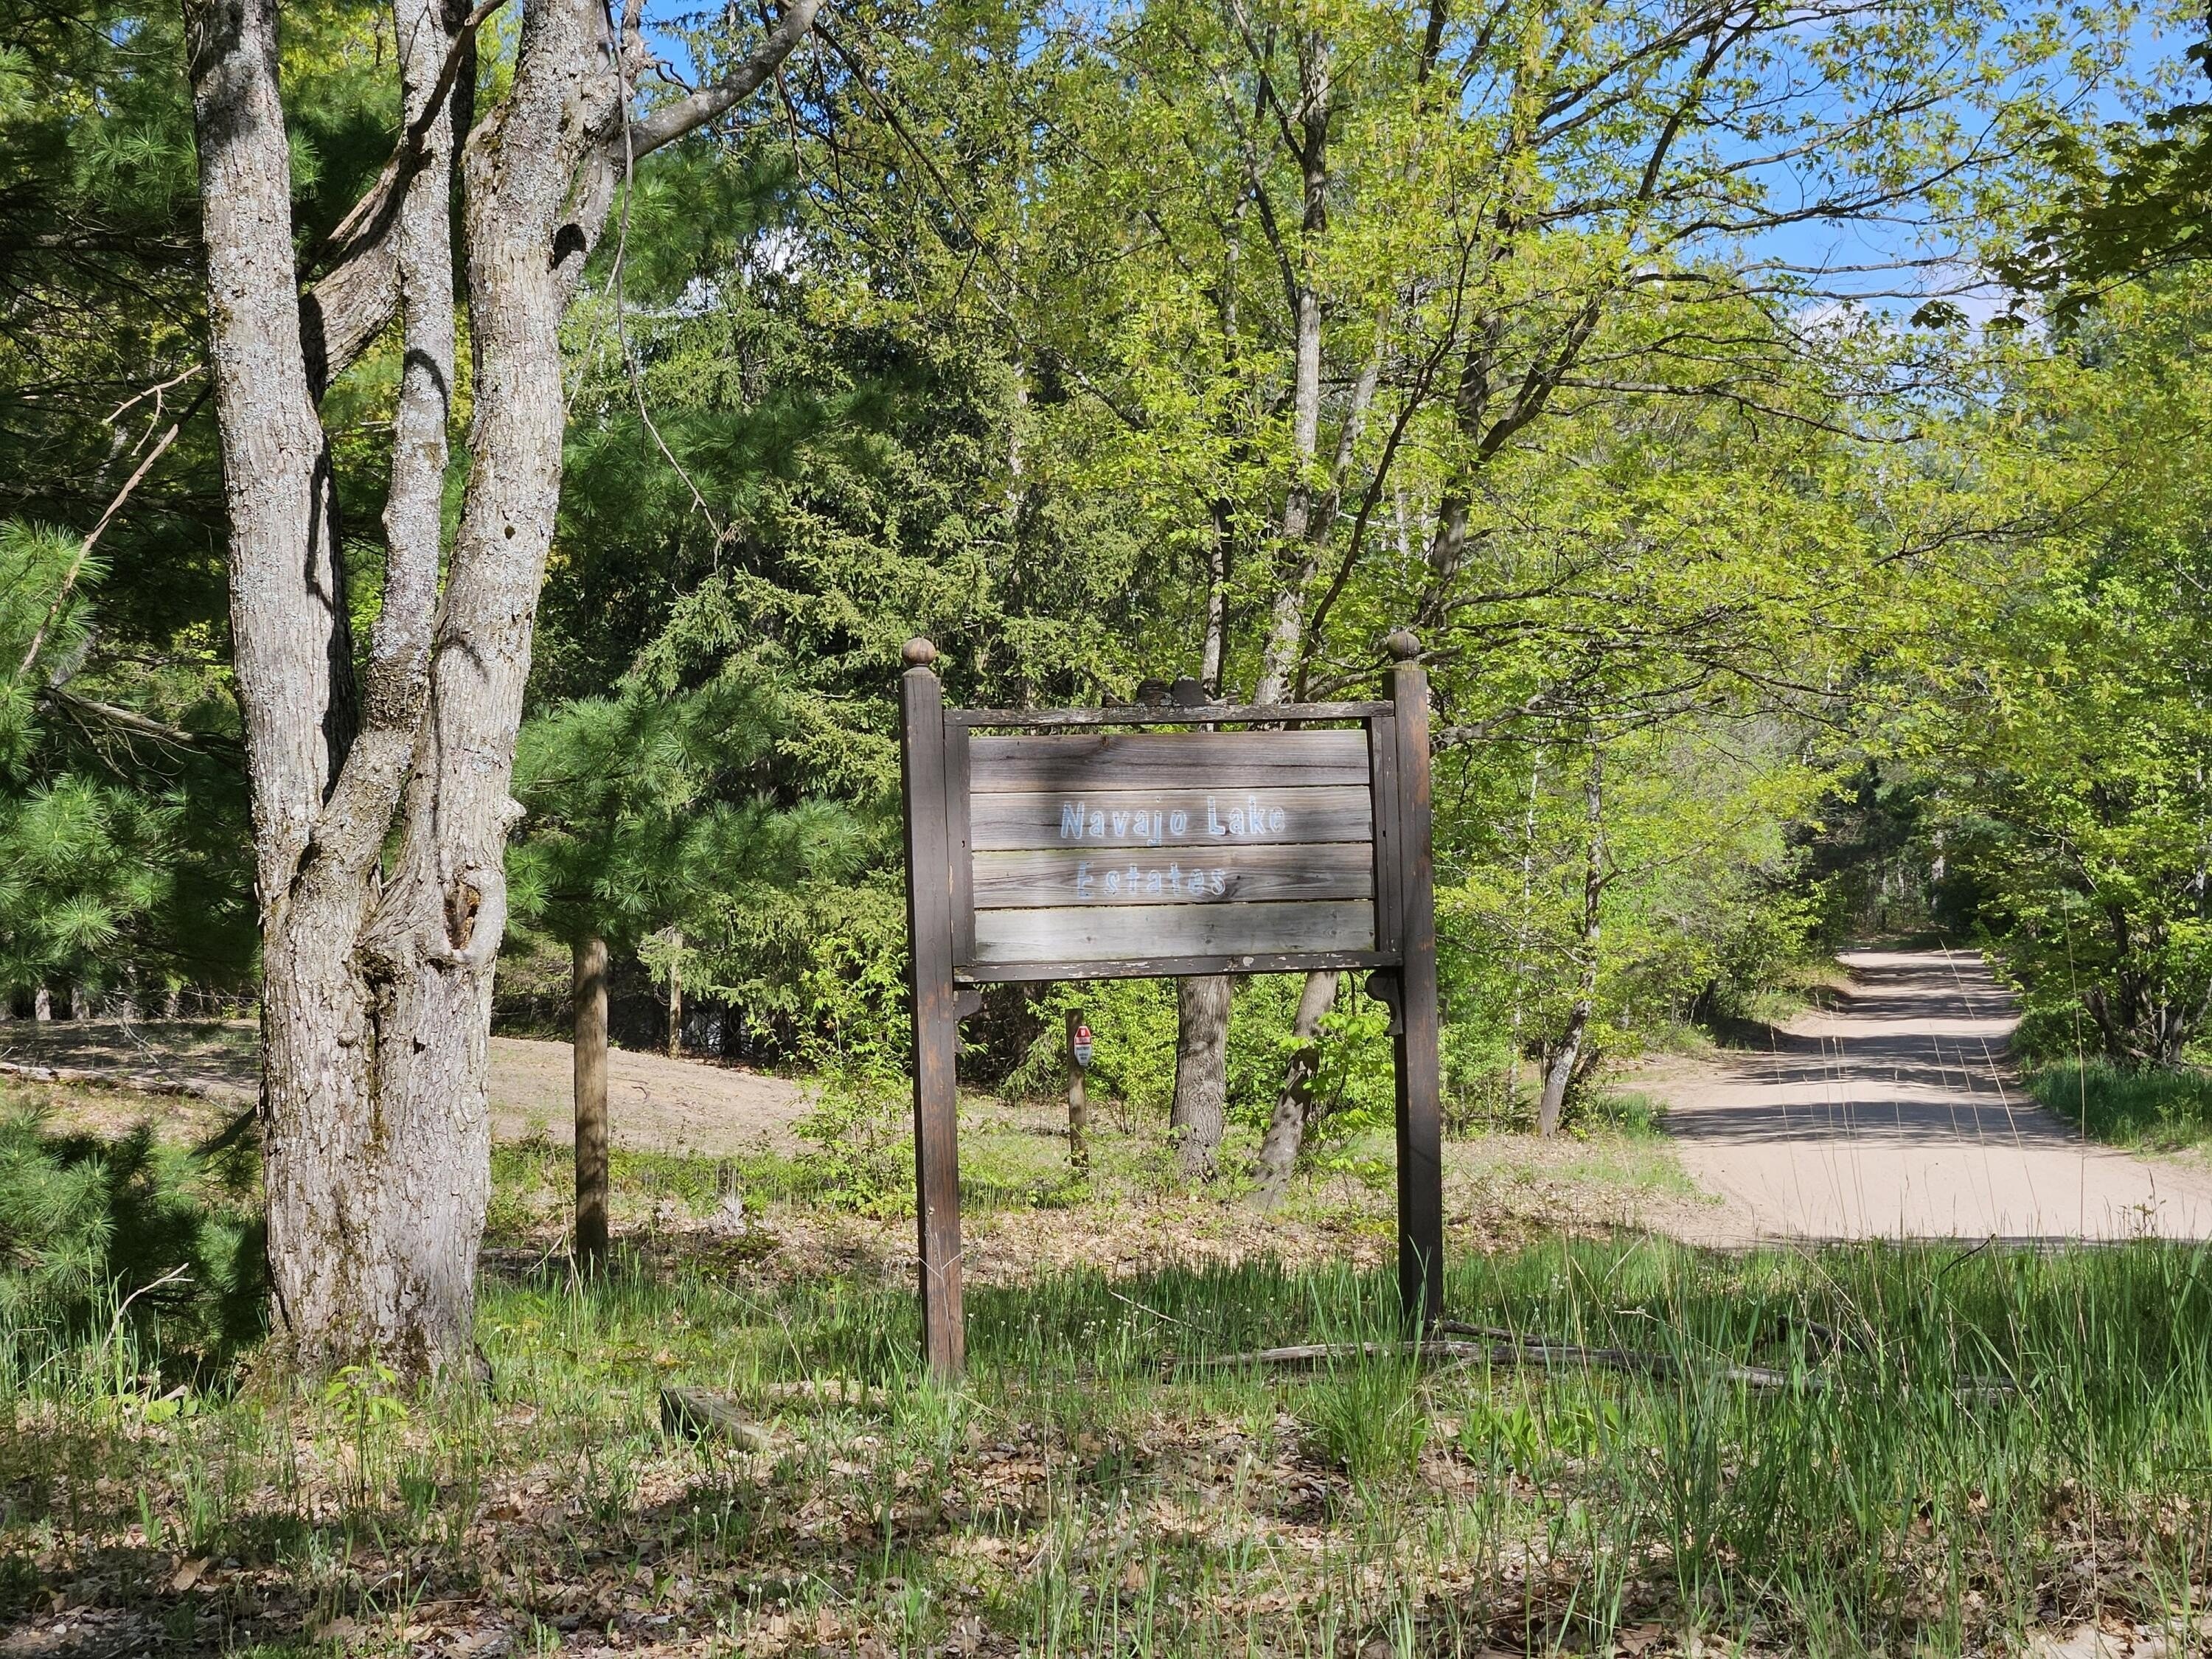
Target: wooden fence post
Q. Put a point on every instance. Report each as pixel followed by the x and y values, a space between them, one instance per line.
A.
pixel 1420 1122
pixel 936 1021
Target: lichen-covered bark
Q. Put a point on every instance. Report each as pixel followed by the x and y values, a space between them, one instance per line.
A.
pixel 377 993
pixel 1199 1116
pixel 1294 1107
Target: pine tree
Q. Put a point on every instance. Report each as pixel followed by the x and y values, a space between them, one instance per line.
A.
pixel 642 811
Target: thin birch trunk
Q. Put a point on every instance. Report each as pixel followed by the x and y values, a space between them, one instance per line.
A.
pixel 1568 1054
pixel 1521 943
pixel 1294 1108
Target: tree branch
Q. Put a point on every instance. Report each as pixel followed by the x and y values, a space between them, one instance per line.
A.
pixel 670 121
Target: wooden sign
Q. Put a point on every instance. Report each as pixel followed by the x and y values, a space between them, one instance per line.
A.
pixel 1134 848
pixel 1058 844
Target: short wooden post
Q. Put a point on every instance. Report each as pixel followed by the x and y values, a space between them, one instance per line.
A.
pixel 936 1021
pixel 1078 1104
pixel 1420 1117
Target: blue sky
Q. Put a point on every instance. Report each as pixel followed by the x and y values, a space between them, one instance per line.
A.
pixel 2153 59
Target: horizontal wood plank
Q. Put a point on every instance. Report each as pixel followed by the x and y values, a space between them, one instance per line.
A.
pixel 1104 933
pixel 1119 819
pixel 1130 762
pixel 1168 715
pixel 1146 875
pixel 1251 962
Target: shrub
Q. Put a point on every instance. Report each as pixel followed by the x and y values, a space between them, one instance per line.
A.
pixel 120 1257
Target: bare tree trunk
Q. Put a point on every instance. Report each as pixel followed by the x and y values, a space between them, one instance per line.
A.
pixel 1197 1118
pixel 590 1055
pixel 1566 1057
pixel 1200 1114
pixel 375 1193
pixel 1306 522
pixel 676 992
pixel 1286 1129
pixel 376 999
pixel 42 1003
pixel 1521 940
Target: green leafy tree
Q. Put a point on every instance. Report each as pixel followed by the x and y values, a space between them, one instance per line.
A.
pixel 646 812
pixel 2058 714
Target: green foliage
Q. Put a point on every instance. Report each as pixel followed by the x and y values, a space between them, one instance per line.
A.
pixel 1614 1111
pixel 1133 1025
pixel 2058 721
pixel 859 1154
pixel 1132 1030
pixel 108 863
pixel 650 822
pixel 121 1258
pixel 2134 198
pixel 642 810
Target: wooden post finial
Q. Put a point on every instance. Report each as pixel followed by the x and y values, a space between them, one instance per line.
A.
pixel 1403 645
pixel 919 652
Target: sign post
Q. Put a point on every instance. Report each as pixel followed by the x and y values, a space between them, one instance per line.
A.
pixel 1048 845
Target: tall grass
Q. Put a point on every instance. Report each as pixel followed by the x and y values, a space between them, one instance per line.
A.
pixel 1947 1448
pixel 1958 1433
pixel 2160 1111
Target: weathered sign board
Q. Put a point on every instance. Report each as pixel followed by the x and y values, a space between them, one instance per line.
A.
pixel 1067 844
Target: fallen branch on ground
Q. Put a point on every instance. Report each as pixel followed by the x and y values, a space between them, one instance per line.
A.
pixel 1502 1348
pixel 1561 1356
pixel 146 1082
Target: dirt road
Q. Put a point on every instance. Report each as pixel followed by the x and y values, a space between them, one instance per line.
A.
pixel 1899 1114
pixel 653 1103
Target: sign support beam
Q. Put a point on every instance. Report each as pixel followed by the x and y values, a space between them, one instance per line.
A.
pixel 1419 1114
pixel 935 1011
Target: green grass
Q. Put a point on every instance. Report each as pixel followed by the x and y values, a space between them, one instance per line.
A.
pixel 2157 1110
pixel 1971 1445
pixel 1967 1445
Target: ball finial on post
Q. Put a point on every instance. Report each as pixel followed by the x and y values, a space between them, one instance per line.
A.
pixel 1403 645
pixel 919 652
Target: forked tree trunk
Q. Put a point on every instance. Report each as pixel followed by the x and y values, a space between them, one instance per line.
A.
pixel 591 1071
pixel 1199 1115
pixel 1293 1115
pixel 376 1000
pixel 375 1127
